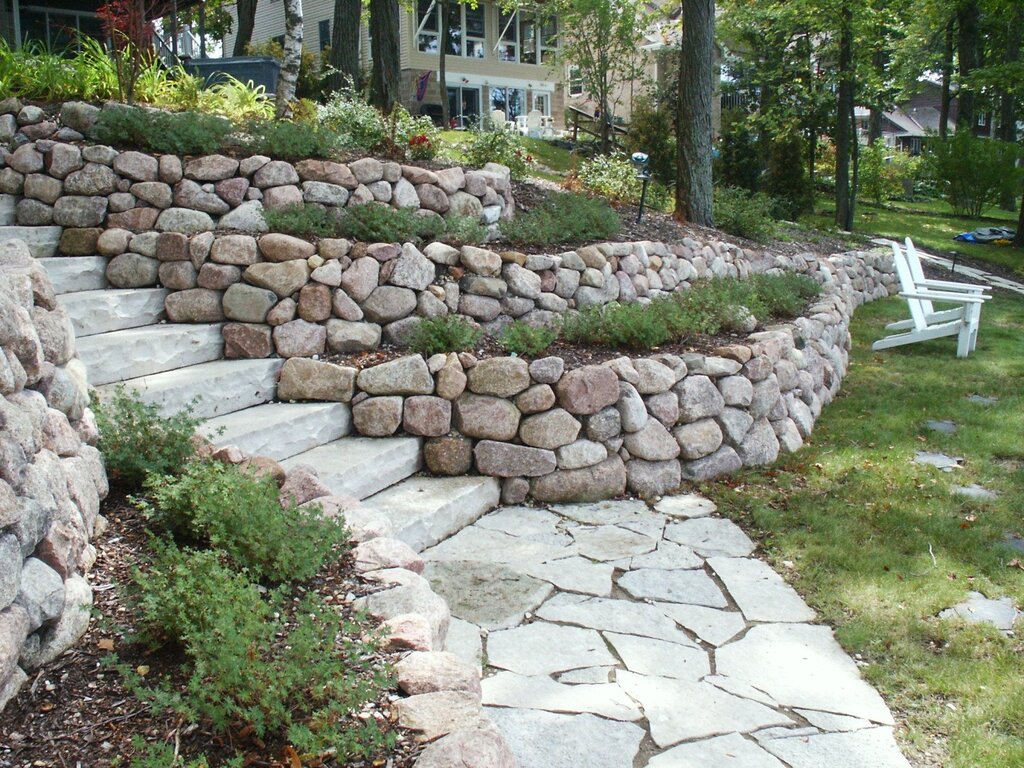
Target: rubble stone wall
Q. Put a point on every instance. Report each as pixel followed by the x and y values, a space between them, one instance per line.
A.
pixel 51 475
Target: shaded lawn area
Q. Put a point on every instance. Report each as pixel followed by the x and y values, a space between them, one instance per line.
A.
pixel 879 545
pixel 931 225
pixel 552 162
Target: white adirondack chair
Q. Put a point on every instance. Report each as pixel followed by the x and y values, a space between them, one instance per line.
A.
pixel 498 119
pixel 533 120
pixel 925 322
pixel 917 273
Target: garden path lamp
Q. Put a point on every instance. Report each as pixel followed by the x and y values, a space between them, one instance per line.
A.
pixel 640 162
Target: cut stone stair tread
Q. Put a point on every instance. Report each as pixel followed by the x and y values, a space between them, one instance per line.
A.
pixel 41 241
pixel 71 274
pixel 94 312
pixel 427 510
pixel 136 352
pixel 223 386
pixel 362 466
pixel 280 430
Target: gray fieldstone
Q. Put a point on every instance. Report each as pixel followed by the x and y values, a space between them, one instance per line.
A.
pixel 481 261
pixel 303 379
pixel 475 746
pixel 550 430
pixel 499 376
pixel 652 443
pixel 345 336
pixel 210 167
pixel 588 389
pixel 594 483
pixel 632 409
pixel 247 217
pixel 377 416
pixel 131 270
pixel 500 459
pixel 387 303
pixel 412 269
pixel 41 592
pixel 426 415
pixel 299 338
pixel 538 398
pixel 248 303
pixel 284 279
pixel 652 478
pixel 404 376
pixel 80 211
pixel 280 247
pixel 699 398
pixel 580 454
pixel 184 220
pixel 487 418
pixel 360 279
pixel 724 461
pixel 196 305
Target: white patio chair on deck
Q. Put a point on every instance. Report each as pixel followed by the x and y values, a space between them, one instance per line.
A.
pixel 925 322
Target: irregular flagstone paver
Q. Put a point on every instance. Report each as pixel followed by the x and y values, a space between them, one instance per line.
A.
pixel 545 740
pixel 610 542
pixel 647 656
pixel 801 665
pixel 587 675
pixel 691 587
pixel 709 624
pixel 711 536
pixel 679 710
pixel 668 555
pixel 542 648
pixel 828 721
pixel 942 426
pixel 873 747
pixel 760 593
pixel 522 521
pixel 575 574
pixel 741 689
pixel 983 399
pixel 603 512
pixel 732 751
pixel 623 616
pixel 938 460
pixel 490 596
pixel 485 545
pixel 531 692
pixel 975 491
pixel 689 505
pixel 978 609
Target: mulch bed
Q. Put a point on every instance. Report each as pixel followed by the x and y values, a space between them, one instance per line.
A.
pixel 77 713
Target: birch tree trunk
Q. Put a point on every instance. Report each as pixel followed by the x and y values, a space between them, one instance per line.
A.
pixel 344 56
pixel 693 124
pixel 292 56
pixel 246 21
pixel 384 33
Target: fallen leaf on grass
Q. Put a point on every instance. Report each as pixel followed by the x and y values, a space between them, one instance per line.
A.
pixel 1015 563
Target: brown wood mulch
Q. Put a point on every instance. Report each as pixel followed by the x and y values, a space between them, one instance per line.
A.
pixel 77 713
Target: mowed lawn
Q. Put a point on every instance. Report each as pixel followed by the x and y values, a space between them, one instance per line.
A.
pixel 879 545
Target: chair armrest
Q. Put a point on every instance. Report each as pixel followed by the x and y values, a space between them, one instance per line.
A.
pixel 953 298
pixel 947 285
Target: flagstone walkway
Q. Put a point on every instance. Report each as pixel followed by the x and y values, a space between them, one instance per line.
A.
pixel 617 635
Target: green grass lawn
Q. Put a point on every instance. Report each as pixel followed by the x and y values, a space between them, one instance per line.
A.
pixel 932 226
pixel 879 545
pixel 552 162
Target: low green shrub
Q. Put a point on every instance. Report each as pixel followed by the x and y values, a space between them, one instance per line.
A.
pixel 504 147
pixel 446 333
pixel 361 126
pixel 286 140
pixel 563 217
pixel 231 510
pixel 784 295
pixel 271 663
pixel 620 326
pixel 136 440
pixel 972 173
pixel 163 755
pixel 523 339
pixel 373 223
pixel 464 230
pixel 886 173
pixel 745 214
pixel 176 133
pixel 302 221
pixel 614 176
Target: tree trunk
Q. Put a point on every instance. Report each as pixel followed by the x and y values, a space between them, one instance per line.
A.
pixel 1018 240
pixel 384 34
pixel 967 57
pixel 844 106
pixel 693 123
pixel 812 151
pixel 878 62
pixel 292 56
pixel 246 21
pixel 947 71
pixel 442 69
pixel 1007 102
pixel 344 58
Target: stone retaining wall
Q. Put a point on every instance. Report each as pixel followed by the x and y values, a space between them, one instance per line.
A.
pixel 642 424
pixel 51 477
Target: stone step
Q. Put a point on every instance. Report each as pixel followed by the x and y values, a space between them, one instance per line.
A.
pixel 362 466
pixel 427 510
pixel 41 241
pixel 8 204
pixel 280 430
pixel 71 274
pixel 95 312
pixel 135 352
pixel 222 386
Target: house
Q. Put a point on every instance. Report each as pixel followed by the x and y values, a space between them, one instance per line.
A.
pixel 55 23
pixel 495 60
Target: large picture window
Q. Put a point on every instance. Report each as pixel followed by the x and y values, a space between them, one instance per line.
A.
pixel 511 101
pixel 521 38
pixel 466 29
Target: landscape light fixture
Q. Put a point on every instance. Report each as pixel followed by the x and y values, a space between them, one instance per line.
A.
pixel 640 162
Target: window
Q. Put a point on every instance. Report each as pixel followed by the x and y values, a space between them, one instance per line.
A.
pixel 523 39
pixel 542 103
pixel 325 33
pixel 58 29
pixel 575 79
pixel 464 107
pixel 466 29
pixel 508 36
pixel 548 41
pixel 511 101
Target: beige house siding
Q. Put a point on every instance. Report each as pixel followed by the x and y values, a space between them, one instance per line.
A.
pixel 270 23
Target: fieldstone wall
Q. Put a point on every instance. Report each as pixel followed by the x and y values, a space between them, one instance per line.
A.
pixel 51 475
pixel 642 424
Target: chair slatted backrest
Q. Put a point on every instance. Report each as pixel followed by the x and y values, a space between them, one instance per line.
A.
pixel 917 274
pixel 918 313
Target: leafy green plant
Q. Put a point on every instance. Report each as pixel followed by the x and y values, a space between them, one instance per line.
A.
pixel 241 514
pixel 163 755
pixel 562 218
pixel 504 147
pixel 373 223
pixel 785 178
pixel 447 333
pixel 883 171
pixel 136 440
pixel 739 164
pixel 784 294
pixel 178 133
pixel 361 126
pixel 971 173
pixel 302 221
pixel 290 141
pixel 652 131
pixel 464 230
pixel 614 176
pixel 523 339
pixel 746 214
pixel 273 664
